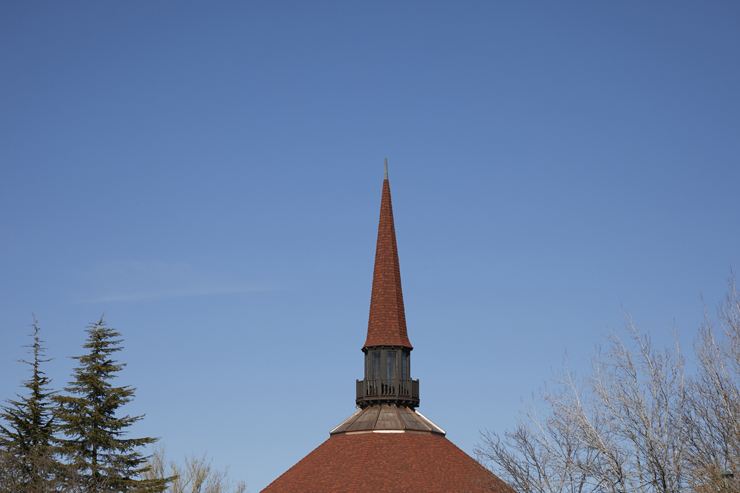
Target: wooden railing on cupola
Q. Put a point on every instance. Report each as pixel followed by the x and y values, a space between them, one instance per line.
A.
pixel 404 392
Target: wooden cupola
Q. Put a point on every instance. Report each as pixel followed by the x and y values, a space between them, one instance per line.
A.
pixel 387 349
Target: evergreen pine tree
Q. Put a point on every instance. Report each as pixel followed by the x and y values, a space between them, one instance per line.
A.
pixel 27 438
pixel 99 458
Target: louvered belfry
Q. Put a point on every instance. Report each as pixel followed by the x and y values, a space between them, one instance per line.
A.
pixel 387 445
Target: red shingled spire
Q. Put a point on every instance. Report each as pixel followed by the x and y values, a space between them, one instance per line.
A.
pixel 386 445
pixel 387 324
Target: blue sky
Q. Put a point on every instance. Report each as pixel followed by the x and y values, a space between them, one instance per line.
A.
pixel 209 176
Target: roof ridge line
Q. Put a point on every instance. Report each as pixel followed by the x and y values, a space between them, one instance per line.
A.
pixel 430 422
pixel 375 421
pixel 399 418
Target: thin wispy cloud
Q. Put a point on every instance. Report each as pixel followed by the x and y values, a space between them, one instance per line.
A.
pixel 141 281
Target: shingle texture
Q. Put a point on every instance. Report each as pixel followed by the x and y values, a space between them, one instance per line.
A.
pixel 387 324
pixel 388 462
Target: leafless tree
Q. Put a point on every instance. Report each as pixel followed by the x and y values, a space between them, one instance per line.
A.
pixel 197 476
pixel 713 411
pixel 616 430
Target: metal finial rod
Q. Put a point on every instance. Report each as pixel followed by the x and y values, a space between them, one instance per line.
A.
pixel 385 173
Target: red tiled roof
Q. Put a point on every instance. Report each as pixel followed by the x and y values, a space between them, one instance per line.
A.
pixel 387 462
pixel 387 324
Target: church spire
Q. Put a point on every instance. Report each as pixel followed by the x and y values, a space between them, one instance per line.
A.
pixel 387 347
pixel 387 323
